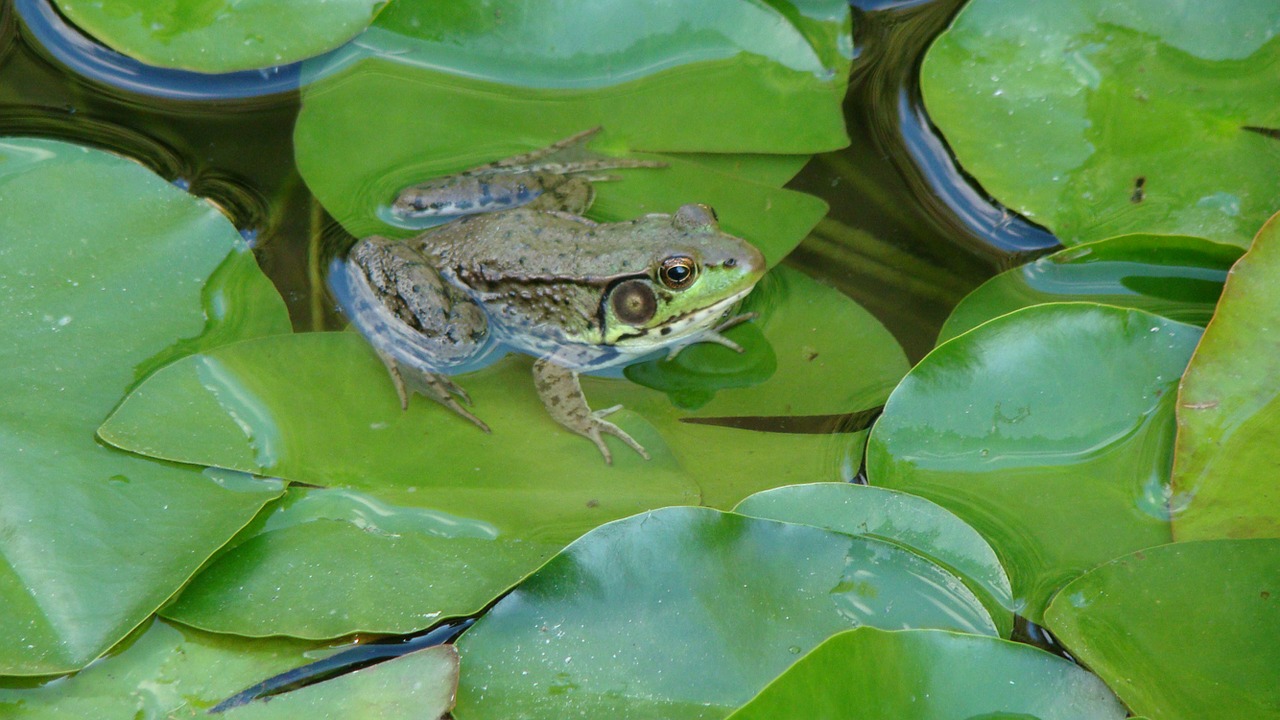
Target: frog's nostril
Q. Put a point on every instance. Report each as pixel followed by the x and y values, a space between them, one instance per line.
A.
pixel 731 262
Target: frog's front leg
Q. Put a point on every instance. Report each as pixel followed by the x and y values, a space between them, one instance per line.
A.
pixel 562 395
pixel 418 324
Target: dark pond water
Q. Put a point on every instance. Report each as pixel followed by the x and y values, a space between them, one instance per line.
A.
pixel 907 235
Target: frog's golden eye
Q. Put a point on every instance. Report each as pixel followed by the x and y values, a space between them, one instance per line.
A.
pixel 678 272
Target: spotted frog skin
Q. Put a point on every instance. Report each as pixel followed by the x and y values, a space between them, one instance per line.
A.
pixel 521 269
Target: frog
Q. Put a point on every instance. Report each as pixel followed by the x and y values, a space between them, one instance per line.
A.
pixel 518 267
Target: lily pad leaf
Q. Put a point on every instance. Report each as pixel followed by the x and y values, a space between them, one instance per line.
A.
pixel 905 520
pixel 688 613
pixel 107 271
pixel 928 674
pixel 221 37
pixel 1181 630
pixel 512 76
pixel 173 672
pixel 1224 471
pixel 486 509
pixel 1174 276
pixel 1103 118
pixel 1050 430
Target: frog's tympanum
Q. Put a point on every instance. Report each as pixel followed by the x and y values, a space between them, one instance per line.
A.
pixel 521 269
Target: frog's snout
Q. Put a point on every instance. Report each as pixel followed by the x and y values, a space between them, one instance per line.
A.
pixel 750 261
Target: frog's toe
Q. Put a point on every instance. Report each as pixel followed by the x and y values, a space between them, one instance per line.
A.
pixel 605 426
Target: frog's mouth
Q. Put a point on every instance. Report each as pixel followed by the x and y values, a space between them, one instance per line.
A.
pixel 679 329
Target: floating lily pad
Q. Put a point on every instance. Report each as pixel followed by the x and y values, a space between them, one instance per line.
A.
pixel 1104 117
pixel 1224 470
pixel 905 520
pixel 174 672
pixel 221 37
pixel 1187 630
pixel 1174 276
pixel 929 674
pixel 486 509
pixel 688 613
pixel 437 87
pixel 1050 430
pixel 106 272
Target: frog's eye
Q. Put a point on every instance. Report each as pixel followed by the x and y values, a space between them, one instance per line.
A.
pixel 634 302
pixel 678 272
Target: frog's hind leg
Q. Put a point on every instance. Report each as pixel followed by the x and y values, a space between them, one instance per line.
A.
pixel 561 393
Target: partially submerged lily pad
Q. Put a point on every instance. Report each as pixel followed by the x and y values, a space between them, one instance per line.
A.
pixel 1187 630
pixel 930 674
pixel 106 271
pixel 1050 430
pixel 486 509
pixel 1104 117
pixel 1174 276
pixel 435 88
pixel 687 613
pixel 1224 471
pixel 223 36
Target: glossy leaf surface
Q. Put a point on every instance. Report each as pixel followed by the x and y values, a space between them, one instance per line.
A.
pixel 486 509
pixel 1174 276
pixel 1224 472
pixel 217 37
pixel 173 672
pixel 687 613
pixel 872 674
pixel 1050 430
pixel 1188 630
pixel 106 272
pixel 437 87
pixel 906 520
pixel 1103 117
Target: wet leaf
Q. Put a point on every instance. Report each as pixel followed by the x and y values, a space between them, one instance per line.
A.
pixel 1098 118
pixel 1187 630
pixel 106 272
pixel 687 613
pixel 437 87
pixel 217 37
pixel 928 674
pixel 905 520
pixel 483 509
pixel 1224 471
pixel 1174 276
pixel 1050 430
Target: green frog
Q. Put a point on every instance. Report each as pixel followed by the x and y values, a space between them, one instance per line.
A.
pixel 520 269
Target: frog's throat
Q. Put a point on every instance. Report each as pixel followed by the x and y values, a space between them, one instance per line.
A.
pixel 686 329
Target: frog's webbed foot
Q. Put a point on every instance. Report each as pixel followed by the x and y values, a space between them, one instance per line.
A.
pixel 713 335
pixel 436 386
pixel 561 393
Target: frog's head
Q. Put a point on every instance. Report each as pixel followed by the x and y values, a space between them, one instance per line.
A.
pixel 695 273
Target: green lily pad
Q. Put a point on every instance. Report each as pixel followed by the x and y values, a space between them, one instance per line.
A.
pixel 217 37
pixel 435 87
pixel 905 520
pixel 485 509
pixel 1174 276
pixel 1050 430
pixel 1103 117
pixel 1187 630
pixel 687 613
pixel 174 672
pixel 928 675
pixel 107 271
pixel 1224 470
